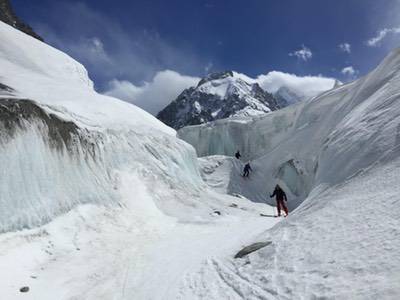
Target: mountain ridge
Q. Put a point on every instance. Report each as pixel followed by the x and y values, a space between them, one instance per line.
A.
pixel 217 96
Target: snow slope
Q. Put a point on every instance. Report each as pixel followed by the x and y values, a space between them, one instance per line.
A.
pixel 50 77
pixel 341 243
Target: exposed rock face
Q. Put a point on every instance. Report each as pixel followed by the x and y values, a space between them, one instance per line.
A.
pixel 8 16
pixel 15 113
pixel 217 96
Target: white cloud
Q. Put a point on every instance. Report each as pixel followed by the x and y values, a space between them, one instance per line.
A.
pixel 304 53
pixel 109 50
pixel 345 47
pixel 375 41
pixel 152 96
pixel 166 85
pixel 349 71
pixel 92 50
pixel 307 86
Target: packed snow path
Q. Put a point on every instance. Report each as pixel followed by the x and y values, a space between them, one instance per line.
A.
pixel 97 253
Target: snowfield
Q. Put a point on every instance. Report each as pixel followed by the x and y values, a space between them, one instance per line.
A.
pixel 100 200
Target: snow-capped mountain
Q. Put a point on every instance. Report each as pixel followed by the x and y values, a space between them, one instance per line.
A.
pixel 217 96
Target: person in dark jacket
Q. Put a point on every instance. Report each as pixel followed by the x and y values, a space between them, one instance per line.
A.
pixel 237 155
pixel 246 170
pixel 280 200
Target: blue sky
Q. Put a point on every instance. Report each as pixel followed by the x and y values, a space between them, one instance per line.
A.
pixel 133 41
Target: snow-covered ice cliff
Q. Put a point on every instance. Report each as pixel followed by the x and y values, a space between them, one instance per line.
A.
pixel 63 144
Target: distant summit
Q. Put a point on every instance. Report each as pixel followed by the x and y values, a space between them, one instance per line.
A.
pixel 217 96
pixel 8 16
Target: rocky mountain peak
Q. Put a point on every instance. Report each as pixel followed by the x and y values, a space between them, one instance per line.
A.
pixel 217 96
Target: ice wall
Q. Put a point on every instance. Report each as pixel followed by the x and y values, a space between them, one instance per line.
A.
pixel 48 167
pixel 342 241
pixel 62 144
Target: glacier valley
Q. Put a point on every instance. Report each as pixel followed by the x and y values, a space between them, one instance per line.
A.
pixel 100 200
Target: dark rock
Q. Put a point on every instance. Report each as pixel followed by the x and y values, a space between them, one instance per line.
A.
pixel 234 205
pixel 8 16
pixel 252 248
pixel 14 112
pixel 217 212
pixel 61 134
pixel 6 88
pixel 24 289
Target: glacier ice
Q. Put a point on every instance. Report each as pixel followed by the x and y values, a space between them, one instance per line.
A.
pixel 62 144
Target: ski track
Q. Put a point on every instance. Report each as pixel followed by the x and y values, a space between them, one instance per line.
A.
pixel 149 260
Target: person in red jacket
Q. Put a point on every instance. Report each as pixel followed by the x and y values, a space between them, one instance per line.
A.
pixel 280 200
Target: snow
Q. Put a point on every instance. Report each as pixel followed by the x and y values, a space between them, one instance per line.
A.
pixel 225 87
pixel 234 85
pixel 27 64
pixel 340 244
pixel 127 211
pixel 216 87
pixel 197 106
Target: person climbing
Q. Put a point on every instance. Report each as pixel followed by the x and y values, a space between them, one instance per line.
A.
pixel 246 170
pixel 280 200
pixel 237 154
